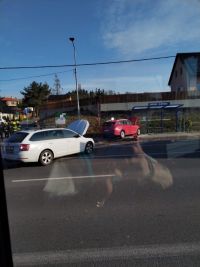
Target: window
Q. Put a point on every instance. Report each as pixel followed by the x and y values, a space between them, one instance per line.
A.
pixel 38 136
pixel 47 135
pixel 69 134
pixel 17 137
pixel 55 134
pixel 109 123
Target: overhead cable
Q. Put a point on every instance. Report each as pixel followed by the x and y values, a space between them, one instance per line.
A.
pixel 35 76
pixel 86 64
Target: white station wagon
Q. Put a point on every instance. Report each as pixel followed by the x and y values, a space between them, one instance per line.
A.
pixel 44 145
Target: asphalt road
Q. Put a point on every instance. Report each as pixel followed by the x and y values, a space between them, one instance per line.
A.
pixel 151 217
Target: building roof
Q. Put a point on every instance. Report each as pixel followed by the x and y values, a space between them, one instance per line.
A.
pixel 182 57
pixel 4 99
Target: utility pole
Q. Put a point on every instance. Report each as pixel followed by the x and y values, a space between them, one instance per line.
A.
pixel 75 75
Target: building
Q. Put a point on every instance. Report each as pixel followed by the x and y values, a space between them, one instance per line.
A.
pixel 8 107
pixel 10 101
pixel 185 74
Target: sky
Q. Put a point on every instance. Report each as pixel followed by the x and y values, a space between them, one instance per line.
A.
pixel 36 33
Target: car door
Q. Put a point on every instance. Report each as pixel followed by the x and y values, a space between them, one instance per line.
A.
pixel 48 139
pixel 63 142
pixel 56 141
pixel 132 128
pixel 71 142
pixel 126 127
pixel 129 127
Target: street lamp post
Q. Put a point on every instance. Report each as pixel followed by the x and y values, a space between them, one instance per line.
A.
pixel 75 75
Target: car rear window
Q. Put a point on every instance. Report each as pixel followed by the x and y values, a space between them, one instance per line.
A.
pixel 17 137
pixel 109 123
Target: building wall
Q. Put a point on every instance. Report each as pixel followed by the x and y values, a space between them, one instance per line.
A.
pixel 48 112
pixel 185 77
pixel 179 80
pixel 11 103
pixel 188 103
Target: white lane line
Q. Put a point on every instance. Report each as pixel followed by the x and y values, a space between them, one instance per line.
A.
pixel 62 178
pixel 101 254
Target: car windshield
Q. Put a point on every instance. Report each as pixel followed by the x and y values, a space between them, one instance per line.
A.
pixel 100 132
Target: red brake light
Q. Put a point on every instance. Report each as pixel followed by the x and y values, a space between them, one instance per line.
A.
pixel 24 147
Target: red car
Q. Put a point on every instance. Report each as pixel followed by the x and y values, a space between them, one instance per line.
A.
pixel 121 127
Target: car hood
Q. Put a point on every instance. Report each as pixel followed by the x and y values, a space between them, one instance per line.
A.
pixel 79 126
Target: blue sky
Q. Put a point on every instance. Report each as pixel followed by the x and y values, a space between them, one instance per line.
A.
pixel 36 32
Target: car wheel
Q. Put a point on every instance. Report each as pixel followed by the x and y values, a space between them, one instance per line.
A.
pixel 135 137
pixel 122 134
pixel 46 157
pixel 89 148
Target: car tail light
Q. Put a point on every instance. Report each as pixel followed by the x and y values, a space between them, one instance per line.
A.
pixel 24 147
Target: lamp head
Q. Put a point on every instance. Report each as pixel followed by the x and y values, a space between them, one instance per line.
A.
pixel 71 39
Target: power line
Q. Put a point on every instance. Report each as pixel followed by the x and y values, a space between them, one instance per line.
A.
pixel 85 64
pixel 36 76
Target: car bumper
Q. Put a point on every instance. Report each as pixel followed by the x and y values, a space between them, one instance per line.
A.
pixel 18 157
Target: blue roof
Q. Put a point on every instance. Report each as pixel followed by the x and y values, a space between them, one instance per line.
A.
pixel 164 105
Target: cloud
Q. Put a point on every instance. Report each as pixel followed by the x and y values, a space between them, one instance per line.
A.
pixel 136 27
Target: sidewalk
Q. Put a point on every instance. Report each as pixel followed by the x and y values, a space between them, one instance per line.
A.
pixel 157 137
pixel 170 136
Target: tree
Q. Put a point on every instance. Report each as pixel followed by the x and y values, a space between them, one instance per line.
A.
pixel 35 94
pixel 57 86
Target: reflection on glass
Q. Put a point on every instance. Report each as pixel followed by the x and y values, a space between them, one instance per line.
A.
pixel 150 170
pixel 140 167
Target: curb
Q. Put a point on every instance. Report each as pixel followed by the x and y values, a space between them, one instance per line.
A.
pixel 153 137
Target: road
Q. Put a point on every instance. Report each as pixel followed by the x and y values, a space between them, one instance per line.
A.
pixel 151 215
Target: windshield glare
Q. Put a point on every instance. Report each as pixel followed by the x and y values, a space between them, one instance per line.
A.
pixel 100 131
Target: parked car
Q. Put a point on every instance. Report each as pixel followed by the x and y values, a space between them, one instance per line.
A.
pixel 121 128
pixel 44 145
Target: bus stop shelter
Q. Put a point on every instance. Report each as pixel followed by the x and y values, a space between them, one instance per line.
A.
pixel 161 108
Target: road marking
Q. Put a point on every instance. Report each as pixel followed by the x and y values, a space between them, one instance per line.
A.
pixel 102 254
pixel 62 178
